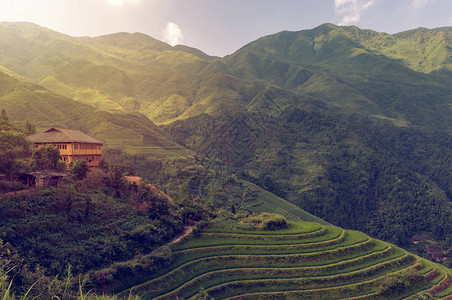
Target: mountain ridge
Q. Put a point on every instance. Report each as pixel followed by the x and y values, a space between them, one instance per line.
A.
pixel 317 117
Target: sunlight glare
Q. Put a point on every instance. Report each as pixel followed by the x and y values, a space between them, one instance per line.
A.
pixel 122 2
pixel 116 2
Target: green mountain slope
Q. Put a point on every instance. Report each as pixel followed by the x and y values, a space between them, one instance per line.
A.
pixel 352 171
pixel 306 260
pixel 344 67
pixel 125 72
pixel 342 131
pixel 23 101
pixel 330 119
pixel 424 50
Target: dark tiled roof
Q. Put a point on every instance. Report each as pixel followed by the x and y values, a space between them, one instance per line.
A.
pixel 62 135
pixel 47 174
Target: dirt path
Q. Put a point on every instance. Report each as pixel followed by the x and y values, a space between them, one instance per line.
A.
pixel 187 231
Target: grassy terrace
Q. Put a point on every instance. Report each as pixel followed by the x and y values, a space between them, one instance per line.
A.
pixel 305 260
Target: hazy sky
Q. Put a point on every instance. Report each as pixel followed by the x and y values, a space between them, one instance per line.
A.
pixel 219 27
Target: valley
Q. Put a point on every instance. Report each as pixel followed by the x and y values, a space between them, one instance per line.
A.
pixel 344 132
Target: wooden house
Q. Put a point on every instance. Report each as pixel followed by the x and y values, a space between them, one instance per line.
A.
pixel 435 251
pixel 420 238
pixel 73 144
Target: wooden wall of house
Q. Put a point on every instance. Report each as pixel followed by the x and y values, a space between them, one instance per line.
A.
pixel 91 153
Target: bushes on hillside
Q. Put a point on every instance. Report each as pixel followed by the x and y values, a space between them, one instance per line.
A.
pixel 400 282
pixel 61 226
pixel 122 274
pixel 11 186
pixel 79 168
pixel 265 221
pixel 47 158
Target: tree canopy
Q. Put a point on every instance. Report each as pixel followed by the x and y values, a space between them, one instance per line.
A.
pixel 47 158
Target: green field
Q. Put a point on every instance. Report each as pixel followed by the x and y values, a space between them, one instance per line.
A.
pixel 304 261
pixel 264 201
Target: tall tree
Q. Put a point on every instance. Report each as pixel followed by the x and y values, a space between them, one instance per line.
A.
pixel 5 124
pixel 47 158
pixel 29 128
pixel 12 143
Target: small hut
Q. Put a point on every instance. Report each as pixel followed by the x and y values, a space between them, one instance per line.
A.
pixel 43 179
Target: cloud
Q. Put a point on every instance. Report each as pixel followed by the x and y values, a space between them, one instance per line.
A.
pixel 122 2
pixel 172 34
pixel 420 3
pixel 351 10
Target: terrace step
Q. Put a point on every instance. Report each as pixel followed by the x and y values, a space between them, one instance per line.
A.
pixel 305 261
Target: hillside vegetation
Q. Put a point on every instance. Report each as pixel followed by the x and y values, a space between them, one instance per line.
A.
pixel 305 260
pixel 351 125
pixel 25 101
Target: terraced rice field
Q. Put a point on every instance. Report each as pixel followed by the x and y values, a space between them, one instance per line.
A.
pixel 304 261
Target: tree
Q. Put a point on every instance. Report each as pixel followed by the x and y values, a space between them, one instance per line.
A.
pixel 116 177
pixel 11 145
pixel 11 141
pixel 79 168
pixel 47 158
pixel 5 124
pixel 29 128
pixel 103 165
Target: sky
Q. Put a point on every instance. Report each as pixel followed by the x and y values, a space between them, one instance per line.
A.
pixel 220 27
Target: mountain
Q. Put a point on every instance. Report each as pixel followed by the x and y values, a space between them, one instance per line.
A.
pixel 195 51
pixel 24 100
pixel 122 72
pixel 358 70
pixel 346 67
pixel 348 124
pixel 340 129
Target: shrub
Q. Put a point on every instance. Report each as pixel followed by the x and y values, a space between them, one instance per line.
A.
pixel 400 282
pixel 47 158
pixel 264 221
pixel 79 168
pixel 122 274
pixel 11 186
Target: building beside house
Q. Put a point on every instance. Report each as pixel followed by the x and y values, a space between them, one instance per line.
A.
pixel 43 179
pixel 73 144
pixel 420 238
pixel 435 252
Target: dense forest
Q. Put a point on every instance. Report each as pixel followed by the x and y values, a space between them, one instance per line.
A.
pixel 360 173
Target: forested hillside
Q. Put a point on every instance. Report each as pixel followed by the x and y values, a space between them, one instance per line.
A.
pixel 343 122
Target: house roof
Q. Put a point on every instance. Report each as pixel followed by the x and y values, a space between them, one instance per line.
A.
pixel 63 135
pixel 47 174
